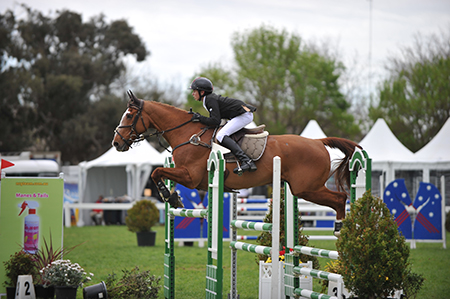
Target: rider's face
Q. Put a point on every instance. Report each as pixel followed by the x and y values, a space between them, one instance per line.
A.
pixel 196 95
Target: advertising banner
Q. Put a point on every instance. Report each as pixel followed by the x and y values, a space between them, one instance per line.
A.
pixel 30 210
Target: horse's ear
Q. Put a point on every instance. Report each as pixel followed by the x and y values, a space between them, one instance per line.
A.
pixel 132 96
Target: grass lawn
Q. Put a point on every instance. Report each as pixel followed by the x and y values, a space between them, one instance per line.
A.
pixel 109 249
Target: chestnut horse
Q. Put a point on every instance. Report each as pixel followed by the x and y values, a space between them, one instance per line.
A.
pixel 305 163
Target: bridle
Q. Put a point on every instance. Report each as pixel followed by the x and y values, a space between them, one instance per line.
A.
pixel 136 137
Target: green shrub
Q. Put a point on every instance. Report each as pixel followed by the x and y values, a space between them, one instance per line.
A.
pixel 142 216
pixel 132 284
pixel 412 283
pixel 372 253
pixel 19 263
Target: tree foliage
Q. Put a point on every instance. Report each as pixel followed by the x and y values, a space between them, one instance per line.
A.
pixel 415 99
pixel 55 76
pixel 290 83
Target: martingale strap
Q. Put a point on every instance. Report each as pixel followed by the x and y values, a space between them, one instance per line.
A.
pixel 194 140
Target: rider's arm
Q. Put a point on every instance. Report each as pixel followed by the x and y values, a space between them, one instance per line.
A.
pixel 214 112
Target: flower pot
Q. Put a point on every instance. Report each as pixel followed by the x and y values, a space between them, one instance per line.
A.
pixel 66 292
pixel 10 292
pixel 146 238
pixel 95 291
pixel 44 292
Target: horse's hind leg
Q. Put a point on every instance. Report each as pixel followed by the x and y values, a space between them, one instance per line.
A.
pixel 332 199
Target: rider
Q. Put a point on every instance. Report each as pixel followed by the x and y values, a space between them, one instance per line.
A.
pixel 239 114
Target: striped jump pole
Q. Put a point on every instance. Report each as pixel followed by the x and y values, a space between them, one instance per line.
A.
pixel 192 213
pixel 331 254
pixel 318 274
pixel 259 226
pixel 311 294
pixel 250 209
pixel 251 247
pixel 253 200
pixel 241 237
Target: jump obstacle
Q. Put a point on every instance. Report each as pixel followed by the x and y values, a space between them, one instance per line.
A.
pixel 360 167
pixel 214 269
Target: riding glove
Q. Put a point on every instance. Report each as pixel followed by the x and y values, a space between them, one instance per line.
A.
pixel 196 117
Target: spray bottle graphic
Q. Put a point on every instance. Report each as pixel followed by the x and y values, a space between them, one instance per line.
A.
pixel 31 226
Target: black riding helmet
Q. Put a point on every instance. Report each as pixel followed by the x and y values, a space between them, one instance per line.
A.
pixel 202 83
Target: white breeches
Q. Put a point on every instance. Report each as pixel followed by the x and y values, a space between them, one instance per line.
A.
pixel 235 124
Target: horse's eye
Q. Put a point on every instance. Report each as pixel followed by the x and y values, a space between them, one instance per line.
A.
pixel 129 116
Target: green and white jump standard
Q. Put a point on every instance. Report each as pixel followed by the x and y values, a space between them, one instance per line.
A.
pixel 214 214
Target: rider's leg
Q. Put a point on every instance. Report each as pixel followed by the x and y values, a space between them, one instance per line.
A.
pixel 246 162
pixel 232 126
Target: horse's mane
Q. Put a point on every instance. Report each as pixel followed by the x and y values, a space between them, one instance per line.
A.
pixel 167 105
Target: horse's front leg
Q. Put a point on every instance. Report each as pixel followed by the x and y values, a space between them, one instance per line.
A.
pixel 179 175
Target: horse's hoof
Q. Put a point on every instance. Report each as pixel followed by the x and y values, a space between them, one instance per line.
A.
pixel 175 201
pixel 337 228
pixel 180 203
pixel 163 189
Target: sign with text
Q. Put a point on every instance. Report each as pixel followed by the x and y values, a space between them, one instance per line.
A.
pixel 30 210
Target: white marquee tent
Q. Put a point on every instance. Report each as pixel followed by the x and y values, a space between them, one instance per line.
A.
pixel 392 160
pixel 118 173
pixel 435 156
pixel 313 130
pixel 438 149
pixel 386 151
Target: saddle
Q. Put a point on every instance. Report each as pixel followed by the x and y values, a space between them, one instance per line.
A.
pixel 252 141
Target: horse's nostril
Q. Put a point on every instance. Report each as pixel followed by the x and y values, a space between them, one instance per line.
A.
pixel 116 144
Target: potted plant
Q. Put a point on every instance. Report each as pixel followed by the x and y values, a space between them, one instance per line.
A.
pixel 43 257
pixel 140 219
pixel 20 263
pixel 133 284
pixel 66 277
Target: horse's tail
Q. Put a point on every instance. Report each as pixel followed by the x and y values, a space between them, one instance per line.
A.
pixel 342 172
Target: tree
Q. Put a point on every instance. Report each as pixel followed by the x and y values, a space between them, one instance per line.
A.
pixel 53 71
pixel 289 82
pixel 415 98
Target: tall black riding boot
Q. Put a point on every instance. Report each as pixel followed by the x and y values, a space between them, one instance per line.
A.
pixel 247 164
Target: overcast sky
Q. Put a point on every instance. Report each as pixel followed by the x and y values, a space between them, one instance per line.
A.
pixel 184 35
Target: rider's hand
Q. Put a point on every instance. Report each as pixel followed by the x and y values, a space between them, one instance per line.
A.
pixel 196 117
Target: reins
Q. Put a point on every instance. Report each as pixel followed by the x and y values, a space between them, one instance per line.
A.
pixel 160 133
pixel 194 139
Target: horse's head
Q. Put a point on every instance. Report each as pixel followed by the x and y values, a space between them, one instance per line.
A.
pixel 131 125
